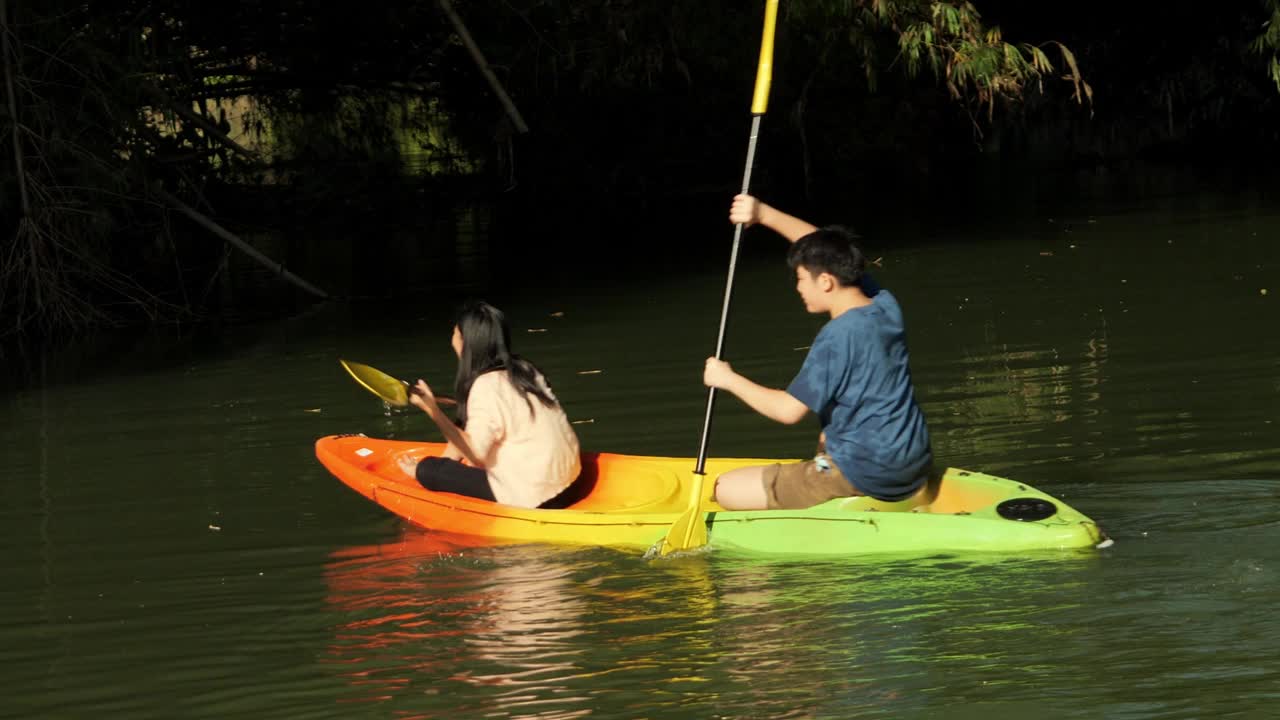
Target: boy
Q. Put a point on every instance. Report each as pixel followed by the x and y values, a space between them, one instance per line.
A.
pixel 855 379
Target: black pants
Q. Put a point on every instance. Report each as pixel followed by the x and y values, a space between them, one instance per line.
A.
pixel 451 476
pixel 444 475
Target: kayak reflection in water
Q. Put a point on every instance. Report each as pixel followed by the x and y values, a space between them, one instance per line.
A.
pixel 512 442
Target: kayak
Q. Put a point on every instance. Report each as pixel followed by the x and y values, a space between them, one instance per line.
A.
pixel 630 501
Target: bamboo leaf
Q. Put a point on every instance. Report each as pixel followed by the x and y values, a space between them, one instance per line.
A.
pixel 1040 61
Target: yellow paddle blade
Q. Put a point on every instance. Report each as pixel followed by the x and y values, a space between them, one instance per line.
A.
pixel 393 391
pixel 764 71
pixel 689 530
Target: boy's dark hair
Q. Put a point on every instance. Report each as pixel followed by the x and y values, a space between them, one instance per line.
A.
pixel 832 249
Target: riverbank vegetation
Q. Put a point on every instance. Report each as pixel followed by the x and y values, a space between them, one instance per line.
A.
pixel 145 141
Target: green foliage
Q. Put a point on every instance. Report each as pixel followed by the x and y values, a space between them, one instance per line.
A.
pixel 119 98
pixel 115 100
pixel 1268 43
pixel 950 41
pixel 626 100
pixel 79 139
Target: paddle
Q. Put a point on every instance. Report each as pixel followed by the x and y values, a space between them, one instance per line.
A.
pixel 392 391
pixel 688 531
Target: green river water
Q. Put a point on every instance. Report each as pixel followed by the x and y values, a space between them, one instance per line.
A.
pixel 173 549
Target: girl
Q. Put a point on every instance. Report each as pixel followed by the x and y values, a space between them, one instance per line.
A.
pixel 512 442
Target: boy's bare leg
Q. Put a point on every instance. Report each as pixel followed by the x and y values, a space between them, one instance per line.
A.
pixel 742 489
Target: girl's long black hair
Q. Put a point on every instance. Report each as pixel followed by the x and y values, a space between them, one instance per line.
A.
pixel 486 347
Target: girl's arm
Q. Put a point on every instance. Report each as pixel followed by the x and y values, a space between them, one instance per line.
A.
pixel 749 210
pixel 422 398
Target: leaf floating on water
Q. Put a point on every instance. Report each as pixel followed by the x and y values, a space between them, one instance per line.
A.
pixel 590 372
pixel 1047 253
pixel 214 527
pixel 802 347
pixel 537 330
pixel 588 421
pixel 558 314
pixel 311 410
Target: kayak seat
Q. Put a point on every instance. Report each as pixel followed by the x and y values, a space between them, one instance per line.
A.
pixel 921 501
pixel 963 492
pixel 611 482
pixel 953 492
pixel 607 482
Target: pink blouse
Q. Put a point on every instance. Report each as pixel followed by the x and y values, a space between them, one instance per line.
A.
pixel 529 456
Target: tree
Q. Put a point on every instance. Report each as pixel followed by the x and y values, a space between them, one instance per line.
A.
pixel 1268 43
pixel 113 106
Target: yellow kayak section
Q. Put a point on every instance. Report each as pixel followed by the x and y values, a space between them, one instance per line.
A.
pixel 630 501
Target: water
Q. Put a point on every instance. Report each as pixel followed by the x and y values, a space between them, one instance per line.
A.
pixel 173 549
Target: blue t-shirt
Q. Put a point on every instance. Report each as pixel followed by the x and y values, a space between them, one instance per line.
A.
pixel 856 380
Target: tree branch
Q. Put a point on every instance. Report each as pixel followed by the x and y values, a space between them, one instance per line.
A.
pixel 209 128
pixel 245 247
pixel 13 108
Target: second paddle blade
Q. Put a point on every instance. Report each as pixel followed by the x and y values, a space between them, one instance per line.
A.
pixel 394 392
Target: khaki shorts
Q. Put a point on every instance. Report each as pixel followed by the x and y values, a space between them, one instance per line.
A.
pixel 795 486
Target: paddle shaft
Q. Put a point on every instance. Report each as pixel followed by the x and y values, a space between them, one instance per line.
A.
pixel 728 296
pixel 687 530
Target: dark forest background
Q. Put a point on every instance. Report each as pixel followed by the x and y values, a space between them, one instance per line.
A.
pixel 145 144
